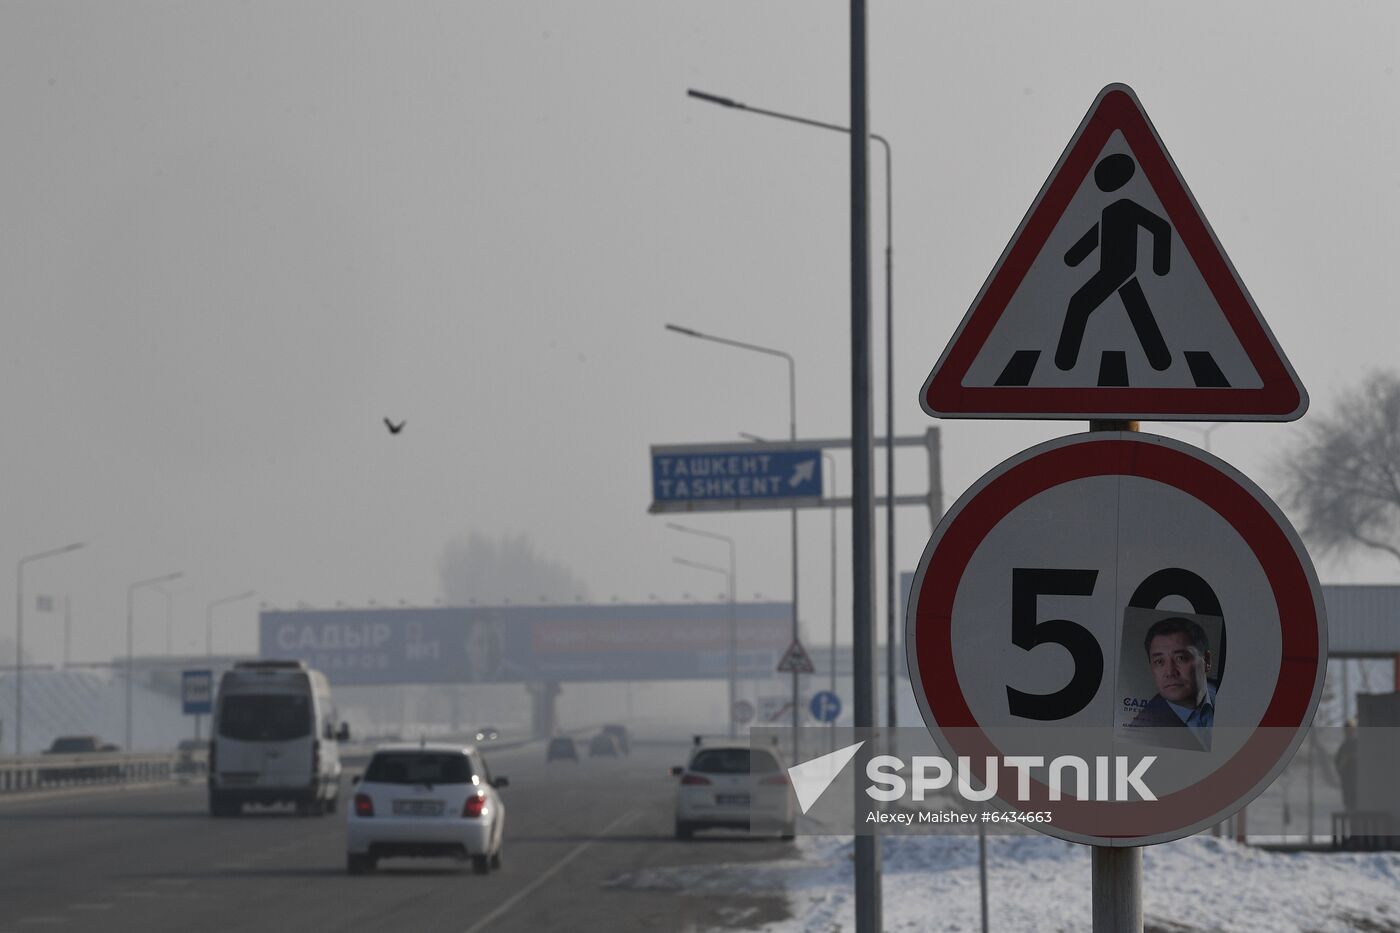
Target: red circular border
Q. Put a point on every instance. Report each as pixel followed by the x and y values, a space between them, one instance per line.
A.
pixel 1272 547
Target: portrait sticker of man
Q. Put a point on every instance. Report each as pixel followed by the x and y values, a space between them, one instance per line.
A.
pixel 1169 678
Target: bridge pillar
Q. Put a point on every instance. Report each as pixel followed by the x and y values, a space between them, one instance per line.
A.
pixel 544 719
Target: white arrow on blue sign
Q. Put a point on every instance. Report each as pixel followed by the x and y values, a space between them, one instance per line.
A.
pixel 825 706
pixel 737 478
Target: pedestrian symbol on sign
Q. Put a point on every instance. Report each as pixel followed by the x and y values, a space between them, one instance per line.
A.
pixel 1115 236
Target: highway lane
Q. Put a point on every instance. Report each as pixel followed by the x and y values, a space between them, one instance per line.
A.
pixel 151 859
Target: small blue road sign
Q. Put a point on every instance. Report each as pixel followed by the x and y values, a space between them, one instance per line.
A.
pixel 197 692
pixel 825 706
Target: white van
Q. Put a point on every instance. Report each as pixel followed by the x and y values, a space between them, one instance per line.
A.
pixel 274 739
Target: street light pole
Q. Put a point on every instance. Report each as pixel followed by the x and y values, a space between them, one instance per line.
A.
pixel 864 702
pixel 733 614
pixel 19 633
pixel 792 435
pixel 130 612
pixel 209 618
pixel 733 633
pixel 1204 432
pixel 831 471
pixel 169 619
pixel 889 364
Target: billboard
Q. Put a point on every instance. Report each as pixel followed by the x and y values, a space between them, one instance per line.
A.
pixel 515 644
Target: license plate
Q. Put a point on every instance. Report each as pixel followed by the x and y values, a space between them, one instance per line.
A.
pixel 418 807
pixel 732 800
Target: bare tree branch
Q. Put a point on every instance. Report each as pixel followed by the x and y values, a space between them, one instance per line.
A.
pixel 1342 481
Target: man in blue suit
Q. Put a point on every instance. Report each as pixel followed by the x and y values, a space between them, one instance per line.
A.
pixel 1183 711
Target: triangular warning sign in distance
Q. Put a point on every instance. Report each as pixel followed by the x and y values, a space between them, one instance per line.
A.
pixel 1114 300
pixel 796 660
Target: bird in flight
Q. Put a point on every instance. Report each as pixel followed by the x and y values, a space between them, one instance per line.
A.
pixel 394 428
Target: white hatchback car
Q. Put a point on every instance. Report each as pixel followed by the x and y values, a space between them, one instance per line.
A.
pixel 731 786
pixel 426 800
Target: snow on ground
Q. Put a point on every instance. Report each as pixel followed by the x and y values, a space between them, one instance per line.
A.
pixel 1036 883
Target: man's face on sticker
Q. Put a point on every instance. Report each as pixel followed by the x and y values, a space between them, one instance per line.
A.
pixel 1179 668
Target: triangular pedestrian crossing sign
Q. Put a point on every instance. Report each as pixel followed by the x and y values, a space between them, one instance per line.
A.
pixel 796 660
pixel 1114 300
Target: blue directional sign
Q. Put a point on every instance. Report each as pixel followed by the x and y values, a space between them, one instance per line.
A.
pixel 825 706
pixel 197 692
pixel 711 477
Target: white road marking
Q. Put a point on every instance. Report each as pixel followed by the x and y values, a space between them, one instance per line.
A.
pixel 546 875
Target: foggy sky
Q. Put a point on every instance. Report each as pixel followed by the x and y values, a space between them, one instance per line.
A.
pixel 235 236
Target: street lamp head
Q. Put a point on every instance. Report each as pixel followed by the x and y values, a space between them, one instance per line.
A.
pixel 715 99
pixel 684 330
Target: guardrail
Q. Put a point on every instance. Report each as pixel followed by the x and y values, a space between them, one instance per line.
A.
pixel 52 771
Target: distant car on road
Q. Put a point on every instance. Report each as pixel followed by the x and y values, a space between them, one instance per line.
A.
pixel 730 786
pixel 619 732
pixel 427 800
pixel 560 747
pixel 188 762
pixel 487 734
pixel 603 744
pixel 81 745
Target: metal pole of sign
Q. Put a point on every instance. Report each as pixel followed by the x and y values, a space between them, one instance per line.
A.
pixel 831 468
pixel 1117 889
pixel 1117 870
pixel 982 874
pixel 867 849
pixel 796 676
pixel 1312 761
pixel 1346 691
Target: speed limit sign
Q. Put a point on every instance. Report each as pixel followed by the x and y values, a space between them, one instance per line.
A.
pixel 1080 599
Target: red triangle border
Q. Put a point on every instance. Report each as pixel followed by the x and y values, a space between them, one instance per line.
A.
pixel 1281 396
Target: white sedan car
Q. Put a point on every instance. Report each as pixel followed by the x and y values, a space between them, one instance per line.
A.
pixel 730 786
pixel 427 800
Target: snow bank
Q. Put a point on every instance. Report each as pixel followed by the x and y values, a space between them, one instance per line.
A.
pixel 1041 884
